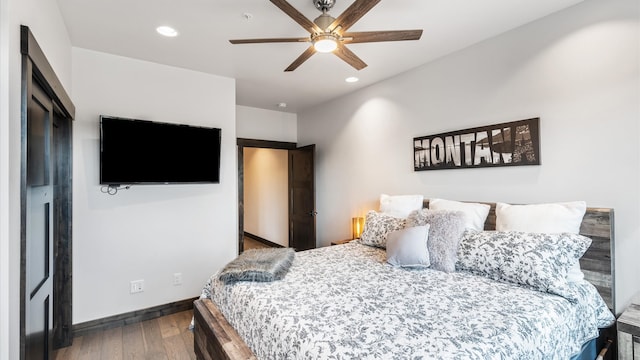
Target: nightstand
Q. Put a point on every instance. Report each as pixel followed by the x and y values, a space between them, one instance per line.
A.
pixel 340 242
pixel 629 332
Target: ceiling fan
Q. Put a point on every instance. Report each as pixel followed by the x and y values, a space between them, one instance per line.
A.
pixel 329 34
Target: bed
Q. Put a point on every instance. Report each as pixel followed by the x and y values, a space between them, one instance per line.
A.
pixel 328 306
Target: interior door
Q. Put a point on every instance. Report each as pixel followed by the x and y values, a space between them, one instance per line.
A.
pixel 39 226
pixel 45 204
pixel 302 199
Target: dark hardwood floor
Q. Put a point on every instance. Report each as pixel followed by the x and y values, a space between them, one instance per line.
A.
pixel 166 337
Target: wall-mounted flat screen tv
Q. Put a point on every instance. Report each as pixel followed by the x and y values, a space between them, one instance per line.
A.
pixel 148 152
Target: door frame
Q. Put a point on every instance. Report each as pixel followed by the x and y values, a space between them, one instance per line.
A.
pixel 36 68
pixel 252 143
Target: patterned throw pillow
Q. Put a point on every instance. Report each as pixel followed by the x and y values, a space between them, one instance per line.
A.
pixel 537 260
pixel 544 218
pixel 377 226
pixel 445 231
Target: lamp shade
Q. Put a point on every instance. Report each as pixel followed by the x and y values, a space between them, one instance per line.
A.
pixel 357 225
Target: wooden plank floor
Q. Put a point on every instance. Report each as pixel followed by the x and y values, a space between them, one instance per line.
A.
pixel 166 337
pixel 253 244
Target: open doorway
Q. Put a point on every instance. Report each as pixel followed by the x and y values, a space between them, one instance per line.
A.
pixel 266 198
pixel 287 215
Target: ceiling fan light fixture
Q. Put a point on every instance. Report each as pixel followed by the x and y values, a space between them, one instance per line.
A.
pixel 325 43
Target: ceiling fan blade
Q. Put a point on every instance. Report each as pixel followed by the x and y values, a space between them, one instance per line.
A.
pixel 302 58
pixel 376 36
pixel 349 57
pixel 352 14
pixel 307 24
pixel 272 40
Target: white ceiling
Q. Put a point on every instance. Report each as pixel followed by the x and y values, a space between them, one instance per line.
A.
pixel 127 28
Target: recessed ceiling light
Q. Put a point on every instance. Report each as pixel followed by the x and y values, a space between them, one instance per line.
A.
pixel 282 105
pixel 351 79
pixel 167 31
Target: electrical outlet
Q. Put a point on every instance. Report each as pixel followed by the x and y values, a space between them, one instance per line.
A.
pixel 177 279
pixel 137 286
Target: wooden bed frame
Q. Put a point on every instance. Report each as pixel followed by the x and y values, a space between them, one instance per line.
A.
pixel 215 338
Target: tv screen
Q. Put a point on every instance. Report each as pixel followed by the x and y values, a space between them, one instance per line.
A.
pixel 148 152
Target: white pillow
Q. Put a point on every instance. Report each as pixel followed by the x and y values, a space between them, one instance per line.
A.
pixel 475 214
pixel 544 218
pixel 408 247
pixel 400 205
pixel 541 218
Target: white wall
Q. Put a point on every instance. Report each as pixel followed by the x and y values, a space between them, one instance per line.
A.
pixel 577 70
pixel 147 232
pixel 45 21
pixel 266 205
pixel 262 124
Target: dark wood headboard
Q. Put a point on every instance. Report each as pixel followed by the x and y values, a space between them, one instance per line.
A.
pixel 597 263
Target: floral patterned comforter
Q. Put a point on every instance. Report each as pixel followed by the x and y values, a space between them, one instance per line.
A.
pixel 346 302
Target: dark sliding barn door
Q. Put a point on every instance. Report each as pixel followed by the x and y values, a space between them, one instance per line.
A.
pixel 39 227
pixel 45 280
pixel 302 199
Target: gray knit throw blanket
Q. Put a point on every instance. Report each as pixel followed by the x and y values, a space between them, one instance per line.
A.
pixel 259 265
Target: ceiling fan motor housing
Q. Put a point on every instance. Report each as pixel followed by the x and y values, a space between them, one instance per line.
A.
pixel 323 21
pixel 324 5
